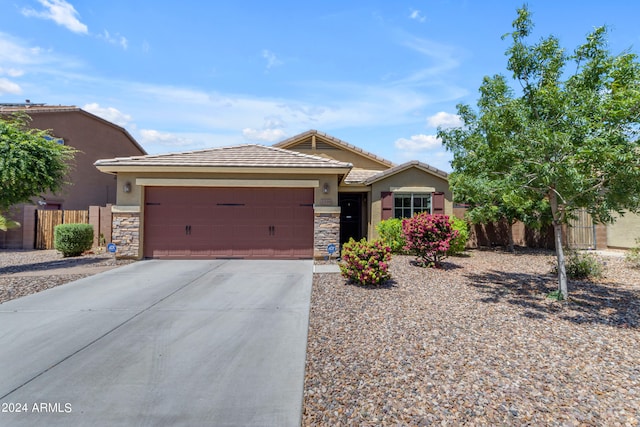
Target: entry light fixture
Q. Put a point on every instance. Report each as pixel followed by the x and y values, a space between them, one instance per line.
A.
pixel 126 187
pixel 325 188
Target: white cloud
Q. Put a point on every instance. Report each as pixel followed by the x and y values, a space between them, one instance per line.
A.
pixel 152 136
pixel 444 58
pixel 11 72
pixel 417 15
pixel 60 12
pixel 115 39
pixel 9 87
pixel 264 135
pixel 108 113
pixel 18 58
pixel 419 142
pixel 444 120
pixel 272 60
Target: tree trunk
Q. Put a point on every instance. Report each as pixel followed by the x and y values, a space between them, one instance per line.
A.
pixel 562 272
pixel 557 234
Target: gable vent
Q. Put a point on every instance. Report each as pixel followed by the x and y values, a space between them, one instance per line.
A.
pixel 304 145
pixel 321 146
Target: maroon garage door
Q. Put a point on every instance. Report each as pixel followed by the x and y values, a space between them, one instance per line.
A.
pixel 193 222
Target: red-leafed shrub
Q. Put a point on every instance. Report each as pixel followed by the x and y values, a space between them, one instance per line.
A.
pixel 428 237
pixel 365 263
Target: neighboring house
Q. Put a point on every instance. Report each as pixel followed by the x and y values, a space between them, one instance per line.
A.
pixel 625 232
pixel 94 138
pixel 292 200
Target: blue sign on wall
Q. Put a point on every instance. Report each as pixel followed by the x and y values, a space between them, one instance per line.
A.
pixel 111 247
pixel 331 249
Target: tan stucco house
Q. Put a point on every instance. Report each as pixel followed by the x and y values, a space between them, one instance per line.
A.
pixel 291 200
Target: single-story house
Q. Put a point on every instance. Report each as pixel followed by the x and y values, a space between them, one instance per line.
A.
pixel 300 198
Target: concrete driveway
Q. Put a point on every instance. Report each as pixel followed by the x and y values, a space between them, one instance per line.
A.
pixel 194 343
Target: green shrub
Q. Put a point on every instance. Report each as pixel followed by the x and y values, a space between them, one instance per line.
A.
pixel 73 239
pixel 365 263
pixel 582 265
pixel 632 257
pixel 459 242
pixel 428 237
pixel 390 231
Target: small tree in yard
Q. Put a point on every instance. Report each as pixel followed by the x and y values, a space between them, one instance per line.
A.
pixel 568 137
pixel 31 163
pixel 428 237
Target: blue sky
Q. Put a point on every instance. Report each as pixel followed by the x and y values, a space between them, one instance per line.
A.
pixel 382 75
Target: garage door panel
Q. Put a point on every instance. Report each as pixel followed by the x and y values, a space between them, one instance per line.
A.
pixel 228 222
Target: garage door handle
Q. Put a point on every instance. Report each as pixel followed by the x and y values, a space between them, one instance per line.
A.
pixel 272 230
pixel 187 230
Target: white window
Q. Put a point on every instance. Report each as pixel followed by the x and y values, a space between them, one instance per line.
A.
pixel 406 205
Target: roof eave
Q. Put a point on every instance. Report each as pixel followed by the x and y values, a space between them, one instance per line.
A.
pixel 328 170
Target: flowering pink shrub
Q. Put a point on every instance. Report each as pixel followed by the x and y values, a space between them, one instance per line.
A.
pixel 366 263
pixel 428 237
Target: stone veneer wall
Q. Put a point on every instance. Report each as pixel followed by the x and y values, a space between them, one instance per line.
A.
pixel 126 234
pixel 326 229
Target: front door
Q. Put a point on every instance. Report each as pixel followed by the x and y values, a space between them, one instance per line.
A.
pixel 350 216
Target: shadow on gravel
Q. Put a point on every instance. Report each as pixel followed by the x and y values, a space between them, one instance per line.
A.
pixel 589 303
pixel 519 250
pixel 50 265
pixel 388 284
pixel 444 265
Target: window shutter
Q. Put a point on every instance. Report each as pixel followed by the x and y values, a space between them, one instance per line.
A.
pixel 387 204
pixel 437 201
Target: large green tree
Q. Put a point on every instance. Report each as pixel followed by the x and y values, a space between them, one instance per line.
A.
pixel 564 131
pixel 31 162
pixel 488 196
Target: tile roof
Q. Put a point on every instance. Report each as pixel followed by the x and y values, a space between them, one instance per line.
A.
pixel 36 108
pixel 249 155
pixel 359 176
pixel 336 141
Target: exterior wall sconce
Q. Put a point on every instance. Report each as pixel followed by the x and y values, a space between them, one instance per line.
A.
pixel 126 187
pixel 325 188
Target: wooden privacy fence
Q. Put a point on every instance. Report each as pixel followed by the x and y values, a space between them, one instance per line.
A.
pixel 47 220
pixel 581 232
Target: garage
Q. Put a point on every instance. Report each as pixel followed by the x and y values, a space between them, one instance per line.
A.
pixel 202 222
pixel 244 201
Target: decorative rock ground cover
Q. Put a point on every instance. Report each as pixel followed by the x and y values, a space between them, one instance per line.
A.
pixel 475 343
pixel 26 272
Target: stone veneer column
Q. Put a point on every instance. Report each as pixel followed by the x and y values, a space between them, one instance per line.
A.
pixel 326 230
pixel 126 234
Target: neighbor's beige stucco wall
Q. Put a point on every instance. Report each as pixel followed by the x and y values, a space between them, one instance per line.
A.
pixel 624 232
pixel 412 177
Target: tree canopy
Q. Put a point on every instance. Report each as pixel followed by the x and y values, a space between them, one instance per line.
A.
pixel 31 162
pixel 564 132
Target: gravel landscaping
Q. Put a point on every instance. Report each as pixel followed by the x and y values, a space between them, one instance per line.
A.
pixel 475 343
pixel 29 271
